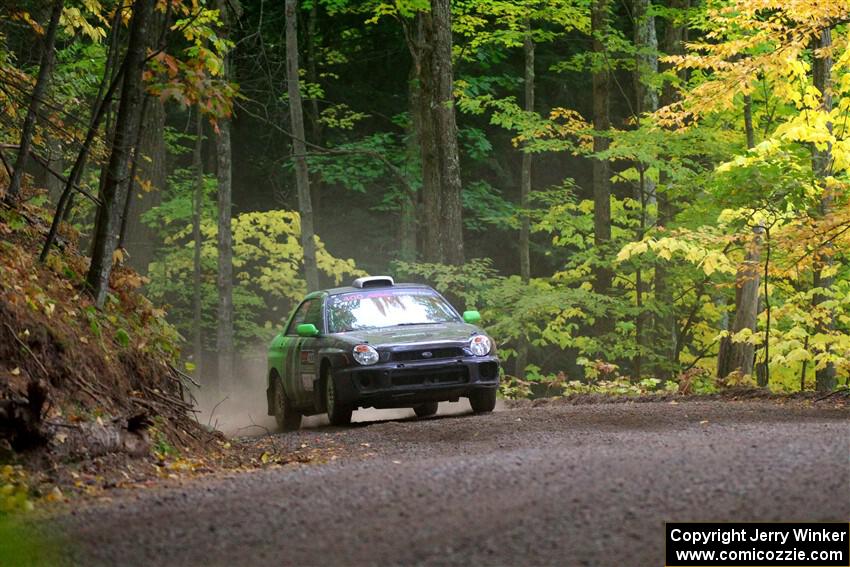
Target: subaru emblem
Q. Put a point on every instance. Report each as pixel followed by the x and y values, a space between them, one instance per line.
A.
pixel 427 354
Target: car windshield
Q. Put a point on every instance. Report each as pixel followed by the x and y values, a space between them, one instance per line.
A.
pixel 387 308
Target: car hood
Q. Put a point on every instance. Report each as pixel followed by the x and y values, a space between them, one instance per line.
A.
pixel 438 332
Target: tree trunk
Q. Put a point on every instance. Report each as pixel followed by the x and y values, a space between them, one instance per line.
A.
pixel 112 74
pixel 451 205
pixel 79 163
pixel 44 72
pixel 126 125
pixel 646 57
pixel 151 170
pixel 525 195
pixel 302 175
pixel 56 162
pixel 825 379
pixel 748 122
pixel 224 283
pixel 149 167
pixel 315 117
pixel 646 100
pixel 603 276
pixel 134 170
pixel 525 183
pixel 739 356
pixel 432 242
pixel 665 329
pixel 197 208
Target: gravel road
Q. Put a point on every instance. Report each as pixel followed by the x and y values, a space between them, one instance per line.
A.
pixel 553 485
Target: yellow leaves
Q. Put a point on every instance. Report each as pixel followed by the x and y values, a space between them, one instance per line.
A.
pixel 55 495
pixel 118 256
pixel 798 355
pixel 73 19
pixel 715 262
pixel 709 260
pixel 14 490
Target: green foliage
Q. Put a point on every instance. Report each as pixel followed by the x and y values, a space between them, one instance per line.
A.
pixel 123 338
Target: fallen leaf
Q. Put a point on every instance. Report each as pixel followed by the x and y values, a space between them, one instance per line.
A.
pixel 16 371
pixel 55 495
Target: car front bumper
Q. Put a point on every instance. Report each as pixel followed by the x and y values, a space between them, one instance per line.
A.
pixel 393 384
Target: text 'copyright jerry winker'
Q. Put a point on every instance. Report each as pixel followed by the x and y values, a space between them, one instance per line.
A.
pixel 757 544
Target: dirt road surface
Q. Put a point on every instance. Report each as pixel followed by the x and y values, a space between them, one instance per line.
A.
pixel 555 485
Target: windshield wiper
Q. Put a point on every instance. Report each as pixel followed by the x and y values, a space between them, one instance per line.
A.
pixel 422 323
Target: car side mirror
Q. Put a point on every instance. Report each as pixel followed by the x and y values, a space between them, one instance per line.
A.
pixel 307 330
pixel 471 317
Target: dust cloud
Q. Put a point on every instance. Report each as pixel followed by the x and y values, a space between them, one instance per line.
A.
pixel 240 410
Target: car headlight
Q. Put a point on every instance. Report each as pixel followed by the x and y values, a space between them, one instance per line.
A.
pixel 365 355
pixel 480 345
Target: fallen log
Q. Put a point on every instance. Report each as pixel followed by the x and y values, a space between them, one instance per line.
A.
pixel 93 439
pixel 23 426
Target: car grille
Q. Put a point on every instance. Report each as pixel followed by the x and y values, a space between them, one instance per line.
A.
pixel 436 353
pixel 458 375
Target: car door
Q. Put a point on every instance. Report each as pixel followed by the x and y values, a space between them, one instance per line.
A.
pixel 290 345
pixel 307 353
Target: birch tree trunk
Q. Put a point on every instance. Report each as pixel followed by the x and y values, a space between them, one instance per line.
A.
pixel 45 70
pixel 126 126
pixel 302 175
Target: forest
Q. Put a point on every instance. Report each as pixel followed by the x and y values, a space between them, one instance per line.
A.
pixel 638 195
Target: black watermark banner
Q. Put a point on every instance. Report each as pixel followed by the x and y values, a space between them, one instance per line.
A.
pixel 758 544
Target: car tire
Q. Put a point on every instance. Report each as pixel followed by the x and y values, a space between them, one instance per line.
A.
pixel 483 401
pixel 426 410
pixel 338 414
pixel 287 418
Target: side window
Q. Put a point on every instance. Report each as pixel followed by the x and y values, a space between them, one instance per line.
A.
pixel 315 316
pixel 300 316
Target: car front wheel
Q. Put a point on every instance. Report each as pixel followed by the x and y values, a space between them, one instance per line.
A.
pixel 287 418
pixel 483 401
pixel 338 414
pixel 426 409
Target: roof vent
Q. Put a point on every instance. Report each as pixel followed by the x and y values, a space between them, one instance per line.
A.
pixel 373 281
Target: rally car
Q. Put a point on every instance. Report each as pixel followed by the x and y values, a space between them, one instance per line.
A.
pixel 382 345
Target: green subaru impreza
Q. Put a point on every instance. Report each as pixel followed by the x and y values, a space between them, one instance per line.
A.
pixel 382 345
